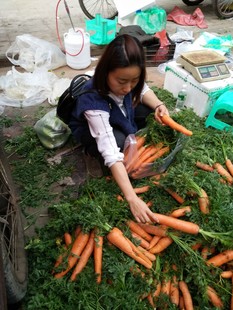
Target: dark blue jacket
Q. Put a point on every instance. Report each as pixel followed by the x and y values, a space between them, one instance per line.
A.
pixel 93 101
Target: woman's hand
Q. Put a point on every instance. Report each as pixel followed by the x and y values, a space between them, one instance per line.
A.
pixel 160 110
pixel 141 211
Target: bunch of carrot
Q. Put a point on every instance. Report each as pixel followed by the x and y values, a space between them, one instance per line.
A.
pixel 78 252
pixel 139 157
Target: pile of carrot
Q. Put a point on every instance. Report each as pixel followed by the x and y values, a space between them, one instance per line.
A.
pixel 148 240
pixel 140 157
pixel 77 253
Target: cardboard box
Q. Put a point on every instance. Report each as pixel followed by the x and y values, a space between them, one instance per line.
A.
pixel 200 96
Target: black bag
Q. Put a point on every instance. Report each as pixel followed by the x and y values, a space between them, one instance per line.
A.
pixel 67 100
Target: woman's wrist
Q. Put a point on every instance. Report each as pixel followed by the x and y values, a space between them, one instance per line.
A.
pixel 158 105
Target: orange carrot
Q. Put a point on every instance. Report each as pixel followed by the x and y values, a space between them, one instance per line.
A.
pixel 227 274
pixel 196 246
pixel 204 166
pixel 162 244
pixel 151 300
pixel 175 195
pixel 167 120
pixel 213 297
pixel 98 254
pixel 156 230
pixel 142 242
pixel 203 201
pixel 157 289
pixel 154 241
pixel 142 189
pixel 149 255
pixel 188 303
pixel 139 253
pixel 229 165
pixel 67 239
pixel 140 141
pixel 166 286
pixel 174 291
pixel 178 224
pixel 223 172
pixel 231 293
pixel 151 150
pixel 129 164
pixel 76 250
pixel 181 303
pixel 77 230
pixel 120 198
pixel 221 258
pixel 155 156
pixel 181 211
pixel 135 227
pixel 86 253
pixel 116 237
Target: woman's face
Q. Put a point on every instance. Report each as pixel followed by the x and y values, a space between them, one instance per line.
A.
pixel 122 80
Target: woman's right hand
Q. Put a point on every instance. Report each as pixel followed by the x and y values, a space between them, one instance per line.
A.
pixel 141 211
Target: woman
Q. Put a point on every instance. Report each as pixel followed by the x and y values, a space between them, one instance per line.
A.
pixel 118 106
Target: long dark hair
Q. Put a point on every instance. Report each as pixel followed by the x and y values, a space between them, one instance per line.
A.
pixel 124 51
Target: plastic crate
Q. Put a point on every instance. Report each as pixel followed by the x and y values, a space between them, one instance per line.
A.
pixel 156 54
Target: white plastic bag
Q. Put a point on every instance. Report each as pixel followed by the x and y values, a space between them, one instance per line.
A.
pixel 30 53
pixel 51 131
pixel 23 89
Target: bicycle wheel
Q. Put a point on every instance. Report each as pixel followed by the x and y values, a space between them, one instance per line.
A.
pixel 192 2
pixel 11 236
pixel 223 8
pixel 106 8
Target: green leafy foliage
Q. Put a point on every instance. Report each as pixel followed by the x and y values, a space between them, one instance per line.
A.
pixel 97 206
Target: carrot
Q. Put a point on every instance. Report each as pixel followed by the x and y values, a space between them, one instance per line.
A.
pixel 139 253
pixel 213 297
pixel 140 140
pixel 156 230
pixel 221 258
pixel 181 303
pixel 167 120
pixel 77 230
pixel 229 165
pixel 174 291
pixel 228 162
pixel 188 303
pixel 180 212
pixel 142 189
pixel 129 164
pixel 154 241
pixel 142 242
pixel 223 172
pixel 120 198
pixel 98 254
pixel 166 286
pixel 175 195
pixel 155 156
pixel 149 255
pixel 157 290
pixel 232 293
pixel 203 202
pixel 150 300
pixel 178 224
pixel 150 150
pixel 135 227
pixel 116 237
pixel 67 239
pixel 76 250
pixel 162 244
pixel 204 166
pixel 227 274
pixel 88 250
pixel 196 246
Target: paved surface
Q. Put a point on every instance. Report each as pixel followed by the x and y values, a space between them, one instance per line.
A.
pixel 18 17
